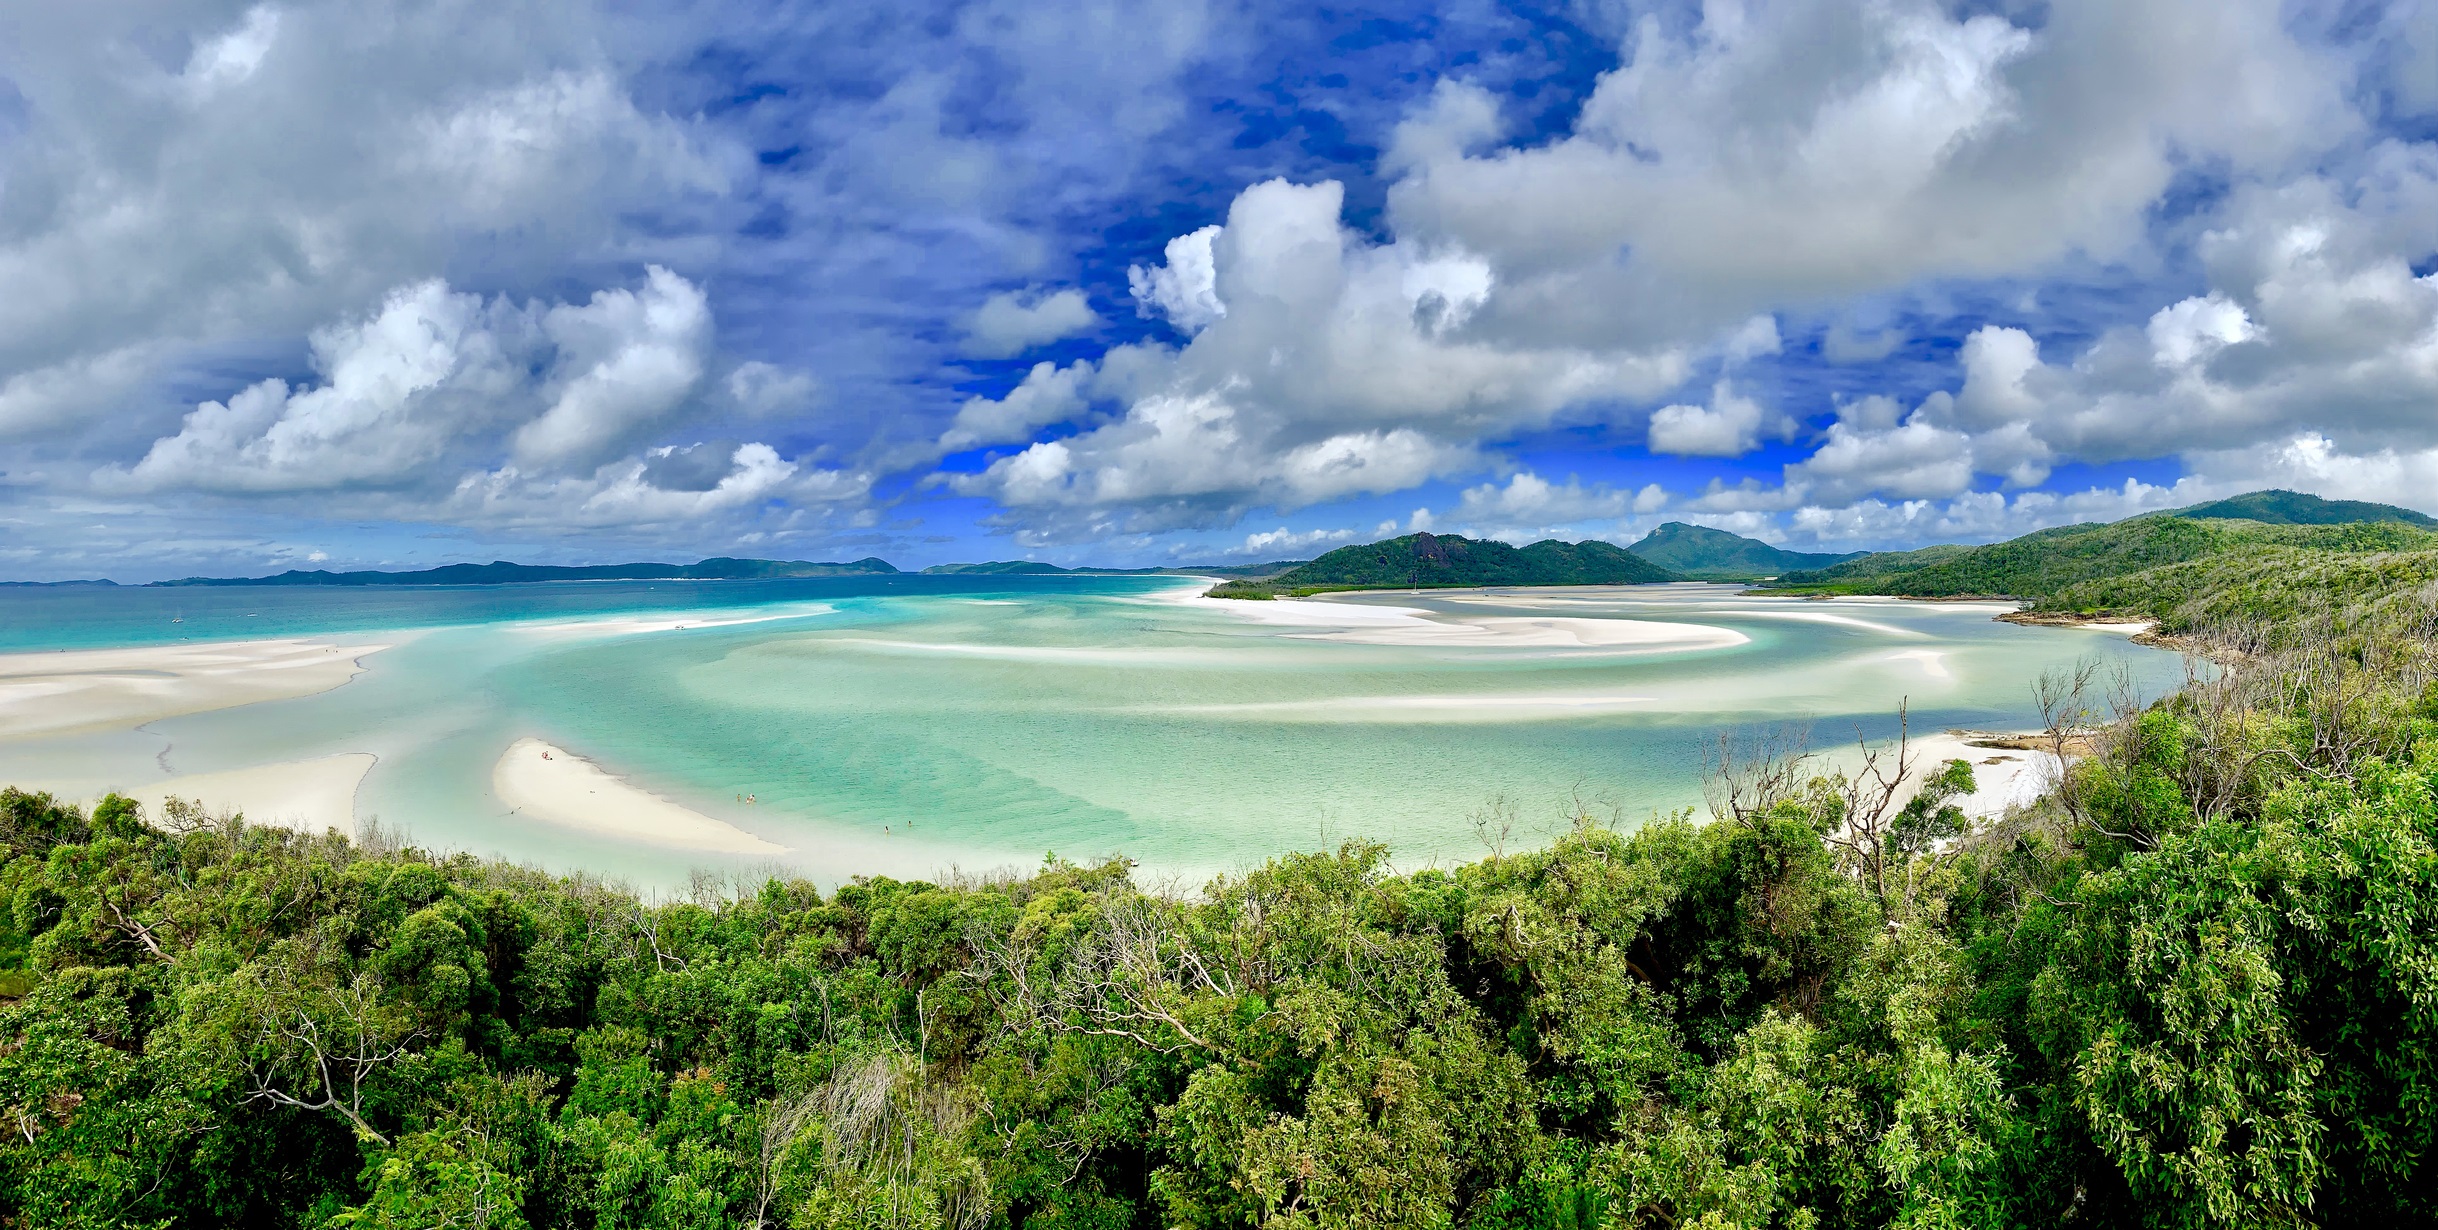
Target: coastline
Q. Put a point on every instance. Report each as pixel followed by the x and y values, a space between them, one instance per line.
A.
pixel 304 795
pixel 88 691
pixel 550 784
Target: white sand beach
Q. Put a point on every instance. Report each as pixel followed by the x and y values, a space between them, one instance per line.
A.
pixel 305 795
pixel 1367 624
pixel 2004 777
pixel 556 786
pixel 80 691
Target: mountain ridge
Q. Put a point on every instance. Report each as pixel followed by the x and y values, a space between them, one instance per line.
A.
pixel 1451 561
pixel 1702 553
pixel 502 572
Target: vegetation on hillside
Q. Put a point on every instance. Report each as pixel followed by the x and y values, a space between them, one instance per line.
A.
pixel 1442 561
pixel 2195 986
pixel 1700 553
pixel 2295 508
pixel 2198 986
pixel 2189 573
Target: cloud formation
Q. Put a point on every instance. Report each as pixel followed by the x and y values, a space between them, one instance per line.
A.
pixel 1115 280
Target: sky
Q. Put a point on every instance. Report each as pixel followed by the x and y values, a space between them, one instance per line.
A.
pixel 383 283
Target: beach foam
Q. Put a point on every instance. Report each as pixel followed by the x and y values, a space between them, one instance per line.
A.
pixel 81 691
pixel 550 784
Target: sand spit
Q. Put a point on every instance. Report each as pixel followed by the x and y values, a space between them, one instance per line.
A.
pixel 1412 627
pixel 2005 777
pixel 81 691
pixel 305 795
pixel 558 787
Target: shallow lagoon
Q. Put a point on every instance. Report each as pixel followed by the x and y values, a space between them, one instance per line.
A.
pixel 900 725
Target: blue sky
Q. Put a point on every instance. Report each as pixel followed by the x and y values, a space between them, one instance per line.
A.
pixel 395 284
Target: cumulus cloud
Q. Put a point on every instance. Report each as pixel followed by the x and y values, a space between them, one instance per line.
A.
pixel 1281 542
pixel 1185 291
pixel 400 388
pixel 1321 365
pixel 1012 322
pixel 763 389
pixel 1529 499
pixel 624 361
pixel 434 375
pixel 631 495
pixel 1048 394
pixel 1812 149
pixel 439 405
pixel 1730 426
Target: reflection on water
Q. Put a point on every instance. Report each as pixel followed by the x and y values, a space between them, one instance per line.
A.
pixel 989 721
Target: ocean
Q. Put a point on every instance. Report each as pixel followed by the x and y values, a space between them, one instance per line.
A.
pixel 903 725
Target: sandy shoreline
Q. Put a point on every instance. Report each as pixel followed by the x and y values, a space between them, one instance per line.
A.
pixel 2004 778
pixel 555 786
pixel 305 795
pixel 1415 627
pixel 81 691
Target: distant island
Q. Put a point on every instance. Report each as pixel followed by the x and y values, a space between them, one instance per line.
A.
pixel 499 572
pixel 1035 568
pixel 2081 566
pixel 1699 553
pixel 1448 561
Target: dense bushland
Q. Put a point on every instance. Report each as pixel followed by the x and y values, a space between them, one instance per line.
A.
pixel 2198 986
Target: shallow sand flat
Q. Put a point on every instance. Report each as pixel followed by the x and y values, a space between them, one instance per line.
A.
pixel 1456 707
pixel 558 787
pixel 86 690
pixel 2003 778
pixel 1413 627
pixel 305 795
pixel 632 625
pixel 1529 632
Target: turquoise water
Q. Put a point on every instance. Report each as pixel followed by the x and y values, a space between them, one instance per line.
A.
pixel 902 724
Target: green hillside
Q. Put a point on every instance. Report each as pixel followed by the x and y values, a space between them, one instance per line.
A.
pixel 2189 573
pixel 1444 561
pixel 1035 568
pixel 1705 554
pixel 2295 508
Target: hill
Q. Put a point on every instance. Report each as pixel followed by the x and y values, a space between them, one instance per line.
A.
pixel 500 572
pixel 2190 574
pixel 1705 554
pixel 1447 561
pixel 2295 508
pixel 1026 567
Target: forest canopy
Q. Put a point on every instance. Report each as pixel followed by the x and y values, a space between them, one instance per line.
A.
pixel 2196 985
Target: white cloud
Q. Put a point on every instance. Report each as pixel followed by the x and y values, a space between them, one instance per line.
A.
pixel 1048 394
pixel 1459 118
pixel 32 402
pixel 400 388
pixel 1529 499
pixel 231 58
pixel 622 494
pixel 436 379
pixel 1813 149
pixel 625 361
pixel 1012 322
pixel 1185 291
pixel 763 389
pixel 1282 542
pixel 1338 367
pixel 1730 426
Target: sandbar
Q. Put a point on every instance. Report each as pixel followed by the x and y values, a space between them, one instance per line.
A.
pixel 81 691
pixel 2004 778
pixel 1411 627
pixel 558 787
pixel 305 795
